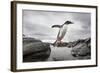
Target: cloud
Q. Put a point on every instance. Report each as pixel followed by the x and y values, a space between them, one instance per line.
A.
pixel 37 24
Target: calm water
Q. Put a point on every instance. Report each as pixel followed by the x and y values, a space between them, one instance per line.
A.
pixel 60 54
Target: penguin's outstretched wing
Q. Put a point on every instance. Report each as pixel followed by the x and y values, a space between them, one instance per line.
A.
pixel 59 26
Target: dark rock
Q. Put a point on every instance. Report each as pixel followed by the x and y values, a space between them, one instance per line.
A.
pixel 63 44
pixel 35 50
pixel 82 49
pixel 27 40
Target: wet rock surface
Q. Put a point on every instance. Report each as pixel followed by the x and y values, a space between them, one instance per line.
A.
pixel 35 50
pixel 82 50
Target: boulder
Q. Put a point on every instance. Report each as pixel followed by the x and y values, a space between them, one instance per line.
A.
pixel 82 49
pixel 35 50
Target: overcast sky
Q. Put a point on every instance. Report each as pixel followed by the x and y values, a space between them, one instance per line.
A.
pixel 37 24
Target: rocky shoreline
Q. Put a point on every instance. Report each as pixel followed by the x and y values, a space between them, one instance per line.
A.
pixel 35 50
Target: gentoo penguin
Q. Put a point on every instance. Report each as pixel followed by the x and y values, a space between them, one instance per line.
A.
pixel 62 31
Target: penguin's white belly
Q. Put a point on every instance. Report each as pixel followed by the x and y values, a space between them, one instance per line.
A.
pixel 62 31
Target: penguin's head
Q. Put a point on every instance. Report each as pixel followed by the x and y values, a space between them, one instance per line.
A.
pixel 68 22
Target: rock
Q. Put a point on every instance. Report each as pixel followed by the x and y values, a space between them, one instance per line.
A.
pixel 71 44
pixel 27 40
pixel 82 49
pixel 63 44
pixel 34 50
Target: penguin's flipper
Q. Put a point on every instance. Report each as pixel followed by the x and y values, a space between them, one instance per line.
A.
pixel 59 26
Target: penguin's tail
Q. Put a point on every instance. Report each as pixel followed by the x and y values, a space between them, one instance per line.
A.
pixel 58 26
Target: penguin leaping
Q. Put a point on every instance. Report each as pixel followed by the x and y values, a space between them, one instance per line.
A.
pixel 62 31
